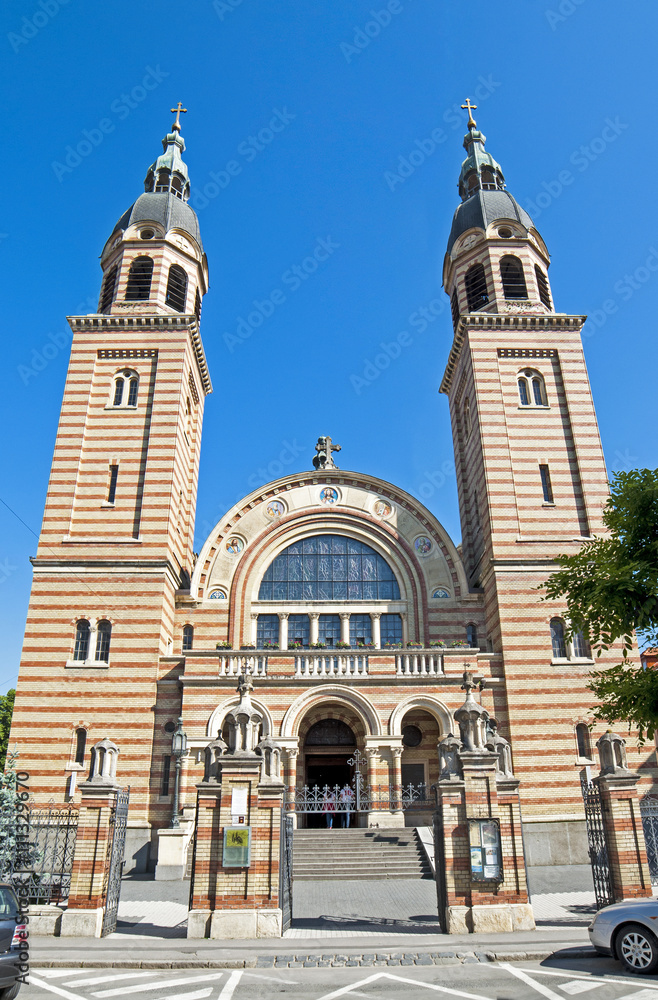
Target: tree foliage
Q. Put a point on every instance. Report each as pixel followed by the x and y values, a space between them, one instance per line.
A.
pixel 611 590
pixel 6 710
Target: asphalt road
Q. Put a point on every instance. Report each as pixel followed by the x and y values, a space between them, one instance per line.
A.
pixel 600 978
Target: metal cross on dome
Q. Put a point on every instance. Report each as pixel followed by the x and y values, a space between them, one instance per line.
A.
pixel 178 110
pixel 470 108
pixel 324 458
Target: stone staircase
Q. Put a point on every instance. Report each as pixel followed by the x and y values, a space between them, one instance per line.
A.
pixel 359 854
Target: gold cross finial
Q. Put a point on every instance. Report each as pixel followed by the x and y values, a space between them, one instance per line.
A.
pixel 471 108
pixel 177 111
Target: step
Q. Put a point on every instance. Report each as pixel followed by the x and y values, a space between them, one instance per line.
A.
pixel 358 854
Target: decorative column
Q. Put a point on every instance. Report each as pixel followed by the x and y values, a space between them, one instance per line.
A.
pixel 314 622
pixel 235 882
pixel 254 628
pixel 345 626
pixel 91 861
pixel 480 869
pixel 405 627
pixel 376 629
pixel 396 817
pixel 627 857
pixel 283 629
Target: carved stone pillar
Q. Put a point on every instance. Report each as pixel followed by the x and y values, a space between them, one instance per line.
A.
pixel 376 629
pixel 283 629
pixel 291 771
pixel 254 627
pixel 405 627
pixel 314 619
pixel 344 626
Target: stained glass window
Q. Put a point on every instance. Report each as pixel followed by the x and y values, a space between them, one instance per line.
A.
pixel 329 629
pixel 360 629
pixel 391 628
pixel 267 629
pixel 329 567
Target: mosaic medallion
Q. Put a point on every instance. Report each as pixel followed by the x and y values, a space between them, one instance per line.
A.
pixel 423 545
pixel 329 496
pixel 234 545
pixel 275 509
pixel 383 508
pixel 217 595
pixel 441 592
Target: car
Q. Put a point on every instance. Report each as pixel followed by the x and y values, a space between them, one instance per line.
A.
pixel 629 932
pixel 13 938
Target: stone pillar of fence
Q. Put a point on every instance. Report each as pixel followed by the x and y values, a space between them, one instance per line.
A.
pixel 480 868
pixel 83 916
pixel 627 856
pixel 235 888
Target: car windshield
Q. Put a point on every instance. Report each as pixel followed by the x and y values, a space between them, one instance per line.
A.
pixel 8 903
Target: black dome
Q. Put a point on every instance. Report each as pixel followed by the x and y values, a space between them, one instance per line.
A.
pixel 483 208
pixel 164 208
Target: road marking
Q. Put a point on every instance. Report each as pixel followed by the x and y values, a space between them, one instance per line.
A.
pixel 60 973
pixel 108 979
pixel 578 986
pixel 53 989
pixel 645 994
pixel 192 996
pixel 593 979
pixel 227 992
pixel 272 979
pixel 538 987
pixel 161 985
pixel 402 979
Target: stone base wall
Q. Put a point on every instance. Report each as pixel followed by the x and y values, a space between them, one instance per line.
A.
pixel 563 842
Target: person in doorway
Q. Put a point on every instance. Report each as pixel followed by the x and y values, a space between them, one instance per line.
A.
pixel 329 807
pixel 346 805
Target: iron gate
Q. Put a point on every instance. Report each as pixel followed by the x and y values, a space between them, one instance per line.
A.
pixel 40 859
pixel 649 814
pixel 346 800
pixel 118 822
pixel 596 840
pixel 285 869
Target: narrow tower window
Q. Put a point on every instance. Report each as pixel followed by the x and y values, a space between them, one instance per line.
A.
pixel 523 392
pixel 133 386
pixel 557 639
pixel 107 292
pixel 112 488
pixel 166 771
pixel 467 417
pixel 139 279
pixel 197 305
pixel 118 391
pixel 581 647
pixel 454 308
pixel 546 483
pixel 511 273
pixel 80 745
pixel 476 288
pixel 103 634
pixel 542 285
pixel 472 636
pixel 538 391
pixel 176 288
pixel 81 651
pixel 583 741
pixel 188 637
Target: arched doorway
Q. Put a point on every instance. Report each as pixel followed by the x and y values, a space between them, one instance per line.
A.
pixel 420 763
pixel 328 738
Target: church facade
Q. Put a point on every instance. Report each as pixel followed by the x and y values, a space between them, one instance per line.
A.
pixel 340 593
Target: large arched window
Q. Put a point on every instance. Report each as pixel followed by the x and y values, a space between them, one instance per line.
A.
pixel 103 634
pixel 513 278
pixel 176 288
pixel 532 388
pixel 329 567
pixel 475 282
pixel 82 632
pixel 126 388
pixel 557 639
pixel 107 292
pixel 139 279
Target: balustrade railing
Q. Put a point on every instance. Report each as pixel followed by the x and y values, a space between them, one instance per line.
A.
pixel 333 665
pixel 419 665
pixel 233 665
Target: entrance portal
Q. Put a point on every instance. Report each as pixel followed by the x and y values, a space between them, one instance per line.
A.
pixel 328 746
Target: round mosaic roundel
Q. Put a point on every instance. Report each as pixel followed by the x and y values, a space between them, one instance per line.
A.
pixel 234 545
pixel 329 495
pixel 275 509
pixel 382 508
pixel 423 545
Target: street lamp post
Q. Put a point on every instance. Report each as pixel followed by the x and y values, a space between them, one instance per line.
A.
pixel 178 749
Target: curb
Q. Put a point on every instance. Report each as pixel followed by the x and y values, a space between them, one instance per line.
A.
pixel 319 960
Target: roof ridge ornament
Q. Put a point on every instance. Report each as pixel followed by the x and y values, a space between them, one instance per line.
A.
pixel 324 458
pixel 180 109
pixel 471 108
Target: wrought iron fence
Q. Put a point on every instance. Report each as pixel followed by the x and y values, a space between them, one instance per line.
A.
pixel 597 843
pixel 358 797
pixel 649 814
pixel 42 856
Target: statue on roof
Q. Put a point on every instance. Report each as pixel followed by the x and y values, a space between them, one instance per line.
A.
pixel 324 458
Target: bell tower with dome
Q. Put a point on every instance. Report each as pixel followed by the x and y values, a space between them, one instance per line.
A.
pixel 530 469
pixel 117 534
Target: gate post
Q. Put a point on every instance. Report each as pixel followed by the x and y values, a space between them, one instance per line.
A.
pixel 91 861
pixel 235 881
pixel 481 882
pixel 627 856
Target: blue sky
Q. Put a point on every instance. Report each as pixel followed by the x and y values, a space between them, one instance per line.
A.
pixel 565 93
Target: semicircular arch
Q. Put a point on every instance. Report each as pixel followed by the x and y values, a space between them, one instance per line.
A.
pixel 216 720
pixel 427 703
pixel 336 694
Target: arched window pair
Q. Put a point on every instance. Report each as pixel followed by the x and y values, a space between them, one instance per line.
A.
pixel 92 645
pixel 532 388
pixel 577 648
pixel 126 388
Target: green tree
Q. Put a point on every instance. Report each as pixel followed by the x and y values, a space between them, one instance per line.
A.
pixel 611 590
pixel 6 710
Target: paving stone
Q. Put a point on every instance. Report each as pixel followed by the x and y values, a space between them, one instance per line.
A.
pixel 482 956
pixel 351 962
pixel 322 964
pixel 470 960
pixel 265 962
pixel 284 959
pixel 393 961
pixel 424 960
pixel 310 965
pixel 369 957
pixel 295 965
pixel 383 958
pixel 341 958
pixel 447 961
pixel 406 961
pixel 338 965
